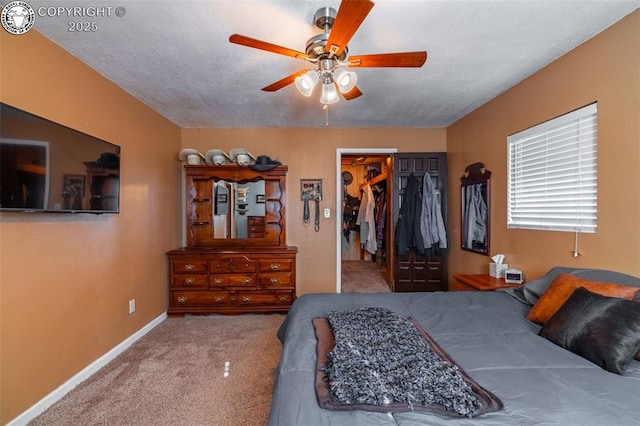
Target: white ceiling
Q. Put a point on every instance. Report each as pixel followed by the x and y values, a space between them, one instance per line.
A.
pixel 175 55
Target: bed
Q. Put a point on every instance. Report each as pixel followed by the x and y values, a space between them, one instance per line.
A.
pixel 490 338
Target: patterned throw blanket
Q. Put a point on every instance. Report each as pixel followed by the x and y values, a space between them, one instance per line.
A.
pixel 381 361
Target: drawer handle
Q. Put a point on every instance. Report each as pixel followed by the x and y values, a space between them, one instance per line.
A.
pixel 218 299
pixel 189 266
pixel 246 280
pixel 274 266
pixel 275 281
pixel 283 298
pixel 218 280
pixel 246 298
pixel 218 266
pixel 189 280
pixel 182 299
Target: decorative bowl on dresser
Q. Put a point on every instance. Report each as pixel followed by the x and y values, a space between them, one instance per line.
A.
pixel 236 259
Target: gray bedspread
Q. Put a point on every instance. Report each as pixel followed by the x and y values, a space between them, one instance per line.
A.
pixel 488 335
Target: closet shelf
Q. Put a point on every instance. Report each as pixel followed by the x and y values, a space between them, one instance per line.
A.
pixel 379 178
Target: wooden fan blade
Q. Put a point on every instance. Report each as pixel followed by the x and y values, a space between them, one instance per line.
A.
pixel 352 94
pixel 402 60
pixel 269 47
pixel 350 15
pixel 284 82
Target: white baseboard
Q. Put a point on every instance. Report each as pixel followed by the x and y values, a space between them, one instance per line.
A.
pixel 42 405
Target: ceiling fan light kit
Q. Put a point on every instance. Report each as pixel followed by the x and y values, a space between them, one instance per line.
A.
pixel 306 82
pixel 346 80
pixel 329 94
pixel 328 52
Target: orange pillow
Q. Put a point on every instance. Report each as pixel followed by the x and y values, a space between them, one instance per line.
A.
pixel 563 286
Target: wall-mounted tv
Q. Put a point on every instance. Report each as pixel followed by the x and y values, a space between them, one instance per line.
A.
pixel 48 167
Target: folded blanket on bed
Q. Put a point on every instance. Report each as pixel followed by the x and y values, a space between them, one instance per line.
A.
pixel 374 359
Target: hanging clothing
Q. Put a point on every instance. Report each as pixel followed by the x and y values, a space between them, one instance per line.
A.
pixel 408 234
pixel 350 208
pixel 367 221
pixel 381 213
pixel 476 216
pixel 431 221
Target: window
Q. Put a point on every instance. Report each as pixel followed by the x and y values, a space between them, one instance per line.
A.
pixel 552 176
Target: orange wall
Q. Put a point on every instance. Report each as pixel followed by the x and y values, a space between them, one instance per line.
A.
pixel 311 153
pixel 604 69
pixel 65 280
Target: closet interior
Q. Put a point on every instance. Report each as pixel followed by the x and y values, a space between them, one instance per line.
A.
pixel 365 223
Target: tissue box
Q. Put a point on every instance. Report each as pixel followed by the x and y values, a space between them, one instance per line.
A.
pixel 496 270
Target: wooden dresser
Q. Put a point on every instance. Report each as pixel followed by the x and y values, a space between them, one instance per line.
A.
pixel 236 259
pixel 232 281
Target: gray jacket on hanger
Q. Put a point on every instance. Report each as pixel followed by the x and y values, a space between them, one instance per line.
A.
pixel 431 221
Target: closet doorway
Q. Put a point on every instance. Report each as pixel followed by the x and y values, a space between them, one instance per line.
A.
pixel 363 178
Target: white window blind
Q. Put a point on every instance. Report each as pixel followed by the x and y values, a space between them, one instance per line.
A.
pixel 552 179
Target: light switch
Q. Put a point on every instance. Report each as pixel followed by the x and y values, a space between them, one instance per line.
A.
pixel 327 213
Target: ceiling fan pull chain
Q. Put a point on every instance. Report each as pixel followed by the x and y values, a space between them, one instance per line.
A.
pixel 326 115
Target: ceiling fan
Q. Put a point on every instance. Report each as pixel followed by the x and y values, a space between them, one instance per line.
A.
pixel 328 52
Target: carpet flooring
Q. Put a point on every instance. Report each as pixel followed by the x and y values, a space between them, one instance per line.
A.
pixel 175 375
pixel 359 276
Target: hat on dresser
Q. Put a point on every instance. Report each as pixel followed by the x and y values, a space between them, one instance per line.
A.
pixel 108 160
pixel 264 162
pixel 191 156
pixel 216 156
pixel 241 156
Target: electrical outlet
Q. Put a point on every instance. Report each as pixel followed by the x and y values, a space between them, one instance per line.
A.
pixel 132 306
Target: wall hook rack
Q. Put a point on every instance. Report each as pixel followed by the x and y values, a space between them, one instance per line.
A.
pixel 311 190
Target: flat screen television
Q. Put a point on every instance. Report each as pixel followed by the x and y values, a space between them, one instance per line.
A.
pixel 48 167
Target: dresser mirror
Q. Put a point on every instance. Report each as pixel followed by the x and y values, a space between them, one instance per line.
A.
pixel 239 209
pixel 235 206
pixel 476 211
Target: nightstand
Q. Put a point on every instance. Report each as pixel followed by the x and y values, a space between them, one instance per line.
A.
pixel 480 282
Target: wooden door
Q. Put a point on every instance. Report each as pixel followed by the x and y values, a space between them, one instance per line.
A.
pixel 413 271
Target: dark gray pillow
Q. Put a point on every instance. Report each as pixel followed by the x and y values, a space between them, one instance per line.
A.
pixel 604 330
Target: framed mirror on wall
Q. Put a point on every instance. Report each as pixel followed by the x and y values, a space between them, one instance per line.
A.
pixel 476 211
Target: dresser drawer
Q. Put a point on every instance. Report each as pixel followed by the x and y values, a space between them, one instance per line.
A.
pixel 189 265
pixel 189 280
pixel 264 298
pixel 235 264
pixel 227 280
pixel 275 265
pixel 267 279
pixel 199 298
pixel 256 230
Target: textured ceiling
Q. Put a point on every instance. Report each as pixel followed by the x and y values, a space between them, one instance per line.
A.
pixel 175 55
